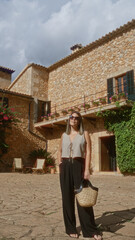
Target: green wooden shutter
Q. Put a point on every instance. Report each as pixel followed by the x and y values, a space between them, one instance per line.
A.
pixel 110 91
pixel 130 84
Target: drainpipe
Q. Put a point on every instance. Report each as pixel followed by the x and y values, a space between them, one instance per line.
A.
pixel 34 134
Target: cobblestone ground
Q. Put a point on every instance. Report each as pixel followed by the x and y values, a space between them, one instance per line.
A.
pixel 30 207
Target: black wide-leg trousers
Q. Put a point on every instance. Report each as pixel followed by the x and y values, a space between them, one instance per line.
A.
pixel 71 174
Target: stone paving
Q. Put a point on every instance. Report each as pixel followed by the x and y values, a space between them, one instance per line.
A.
pixel 31 208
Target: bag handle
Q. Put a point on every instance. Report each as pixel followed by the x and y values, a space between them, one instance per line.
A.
pixel 85 183
pixel 89 184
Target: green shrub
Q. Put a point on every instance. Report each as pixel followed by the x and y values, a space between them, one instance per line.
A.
pixel 42 153
pixel 122 122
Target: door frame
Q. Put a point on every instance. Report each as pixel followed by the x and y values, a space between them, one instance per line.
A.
pixel 100 154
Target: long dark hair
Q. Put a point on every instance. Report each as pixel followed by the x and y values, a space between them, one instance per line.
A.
pixel 80 127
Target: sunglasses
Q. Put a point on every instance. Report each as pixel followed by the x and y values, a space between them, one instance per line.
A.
pixel 72 117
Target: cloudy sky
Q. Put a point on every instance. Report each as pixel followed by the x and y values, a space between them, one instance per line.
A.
pixel 42 31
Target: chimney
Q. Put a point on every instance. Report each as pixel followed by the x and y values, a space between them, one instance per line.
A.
pixel 76 47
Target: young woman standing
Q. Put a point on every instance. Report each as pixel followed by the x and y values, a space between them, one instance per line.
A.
pixel 74 162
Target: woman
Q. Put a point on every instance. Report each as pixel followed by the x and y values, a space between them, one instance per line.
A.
pixel 74 163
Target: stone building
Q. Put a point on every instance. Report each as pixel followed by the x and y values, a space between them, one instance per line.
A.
pixel 23 137
pixel 5 77
pixel 90 74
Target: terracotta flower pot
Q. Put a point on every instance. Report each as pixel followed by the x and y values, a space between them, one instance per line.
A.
pixel 45 119
pixel 95 104
pixel 113 100
pixel 52 170
pixel 64 113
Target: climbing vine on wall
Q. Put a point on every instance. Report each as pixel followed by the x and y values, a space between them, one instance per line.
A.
pixel 121 121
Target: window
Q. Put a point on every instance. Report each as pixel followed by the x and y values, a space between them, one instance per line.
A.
pixel 123 83
pixel 4 101
pixel 44 108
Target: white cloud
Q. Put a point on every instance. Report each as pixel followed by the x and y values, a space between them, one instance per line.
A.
pixel 43 31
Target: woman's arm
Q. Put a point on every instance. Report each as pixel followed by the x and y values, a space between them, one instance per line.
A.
pixel 60 151
pixel 88 156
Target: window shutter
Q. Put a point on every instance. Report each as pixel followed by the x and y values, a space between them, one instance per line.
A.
pixel 35 110
pixel 46 108
pixel 42 109
pixel 130 83
pixel 4 101
pixel 49 107
pixel 110 91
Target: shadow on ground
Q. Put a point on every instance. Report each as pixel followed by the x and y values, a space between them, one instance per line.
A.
pixel 113 221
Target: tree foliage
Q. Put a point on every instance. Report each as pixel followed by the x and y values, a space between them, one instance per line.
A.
pixel 8 116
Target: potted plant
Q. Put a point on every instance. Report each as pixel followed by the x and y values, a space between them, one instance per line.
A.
pixel 113 98
pixel 44 118
pixel 42 153
pixel 64 112
pixel 51 169
pixel 85 106
pixel 52 115
pixel 122 95
pixel 57 114
pixel 102 100
pixel 95 103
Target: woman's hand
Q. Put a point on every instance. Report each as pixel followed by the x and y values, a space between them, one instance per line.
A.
pixel 87 174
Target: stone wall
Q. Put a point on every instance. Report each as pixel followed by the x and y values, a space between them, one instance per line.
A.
pixel 22 83
pixel 22 139
pixel 39 83
pixel 5 79
pixel 32 81
pixel 87 74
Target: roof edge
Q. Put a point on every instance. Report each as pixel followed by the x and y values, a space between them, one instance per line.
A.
pixel 8 70
pixel 20 74
pixel 108 37
pixel 23 71
pixel 95 44
pixel 15 93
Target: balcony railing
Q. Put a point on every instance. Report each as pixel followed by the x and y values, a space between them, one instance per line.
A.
pixel 80 104
pixel 88 106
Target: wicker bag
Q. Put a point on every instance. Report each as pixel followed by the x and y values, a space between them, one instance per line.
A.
pixel 87 194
